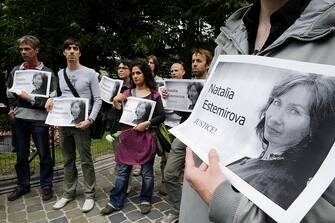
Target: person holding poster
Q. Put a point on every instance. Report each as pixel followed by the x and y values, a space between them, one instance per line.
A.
pixel 77 80
pixel 28 115
pixel 137 144
pixel 299 30
pixel 201 60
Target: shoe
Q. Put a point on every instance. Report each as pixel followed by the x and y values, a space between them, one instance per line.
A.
pixel 145 208
pixel 162 189
pixel 61 203
pixel 46 193
pixel 18 192
pixel 136 170
pixel 107 210
pixel 170 218
pixel 88 205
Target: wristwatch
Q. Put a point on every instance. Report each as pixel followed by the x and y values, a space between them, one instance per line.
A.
pixel 91 120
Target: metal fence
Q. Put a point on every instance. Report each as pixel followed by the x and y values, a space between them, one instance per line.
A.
pixel 99 148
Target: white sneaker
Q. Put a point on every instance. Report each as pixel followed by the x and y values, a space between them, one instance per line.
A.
pixel 88 205
pixel 61 203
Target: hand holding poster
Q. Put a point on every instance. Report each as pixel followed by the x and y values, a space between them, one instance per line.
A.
pixel 183 94
pixel 266 122
pixel 137 110
pixel 109 88
pixel 68 111
pixel 34 82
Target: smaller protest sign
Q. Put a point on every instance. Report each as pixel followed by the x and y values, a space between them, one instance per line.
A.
pixel 68 111
pixel 137 110
pixel 34 82
pixel 109 88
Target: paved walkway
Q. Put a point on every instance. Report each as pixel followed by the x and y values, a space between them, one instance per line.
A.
pixel 30 208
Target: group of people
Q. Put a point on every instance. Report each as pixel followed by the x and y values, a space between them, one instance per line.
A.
pixel 301 30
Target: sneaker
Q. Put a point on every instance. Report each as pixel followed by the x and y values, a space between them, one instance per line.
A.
pixel 162 189
pixel 46 193
pixel 18 192
pixel 170 218
pixel 61 203
pixel 136 170
pixel 107 210
pixel 145 208
pixel 88 205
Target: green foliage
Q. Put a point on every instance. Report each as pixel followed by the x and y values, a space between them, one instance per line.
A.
pixel 109 30
pixel 4 124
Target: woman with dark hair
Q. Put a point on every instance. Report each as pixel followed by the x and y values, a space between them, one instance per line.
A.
pixel 193 92
pixel 294 130
pixel 40 81
pixel 154 67
pixel 142 112
pixel 137 144
pixel 77 111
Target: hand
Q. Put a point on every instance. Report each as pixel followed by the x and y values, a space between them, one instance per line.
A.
pixel 164 93
pixel 49 104
pixel 22 95
pixel 11 115
pixel 205 178
pixel 141 127
pixel 117 101
pixel 84 124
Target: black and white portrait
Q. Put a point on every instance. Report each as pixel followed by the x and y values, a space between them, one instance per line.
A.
pixel 40 81
pixel 77 111
pixel 137 110
pixel 193 92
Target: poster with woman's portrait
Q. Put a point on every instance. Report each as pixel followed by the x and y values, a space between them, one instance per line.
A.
pixel 109 88
pixel 68 111
pixel 272 122
pixel 137 110
pixel 183 94
pixel 34 82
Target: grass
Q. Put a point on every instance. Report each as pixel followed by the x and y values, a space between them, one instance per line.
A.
pixel 99 147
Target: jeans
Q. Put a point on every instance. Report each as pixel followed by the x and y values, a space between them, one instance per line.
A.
pixel 70 140
pixel 23 130
pixel 119 192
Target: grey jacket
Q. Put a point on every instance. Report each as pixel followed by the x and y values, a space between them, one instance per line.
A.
pixel 312 39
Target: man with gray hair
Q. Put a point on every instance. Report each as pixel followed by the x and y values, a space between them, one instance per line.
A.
pixel 28 116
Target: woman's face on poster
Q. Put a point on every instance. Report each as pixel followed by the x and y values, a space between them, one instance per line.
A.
pixel 38 81
pixel 75 109
pixel 140 110
pixel 287 120
pixel 193 94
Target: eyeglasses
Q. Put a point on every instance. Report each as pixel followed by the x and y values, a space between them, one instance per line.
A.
pixel 123 68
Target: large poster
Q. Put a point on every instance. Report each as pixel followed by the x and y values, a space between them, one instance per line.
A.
pixel 68 111
pixel 272 123
pixel 137 110
pixel 109 88
pixel 34 82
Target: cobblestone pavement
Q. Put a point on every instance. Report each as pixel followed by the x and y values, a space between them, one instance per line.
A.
pixel 30 207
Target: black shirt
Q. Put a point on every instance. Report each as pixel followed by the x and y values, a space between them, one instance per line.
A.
pixel 280 20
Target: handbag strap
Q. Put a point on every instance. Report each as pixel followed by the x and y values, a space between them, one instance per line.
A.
pixel 69 84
